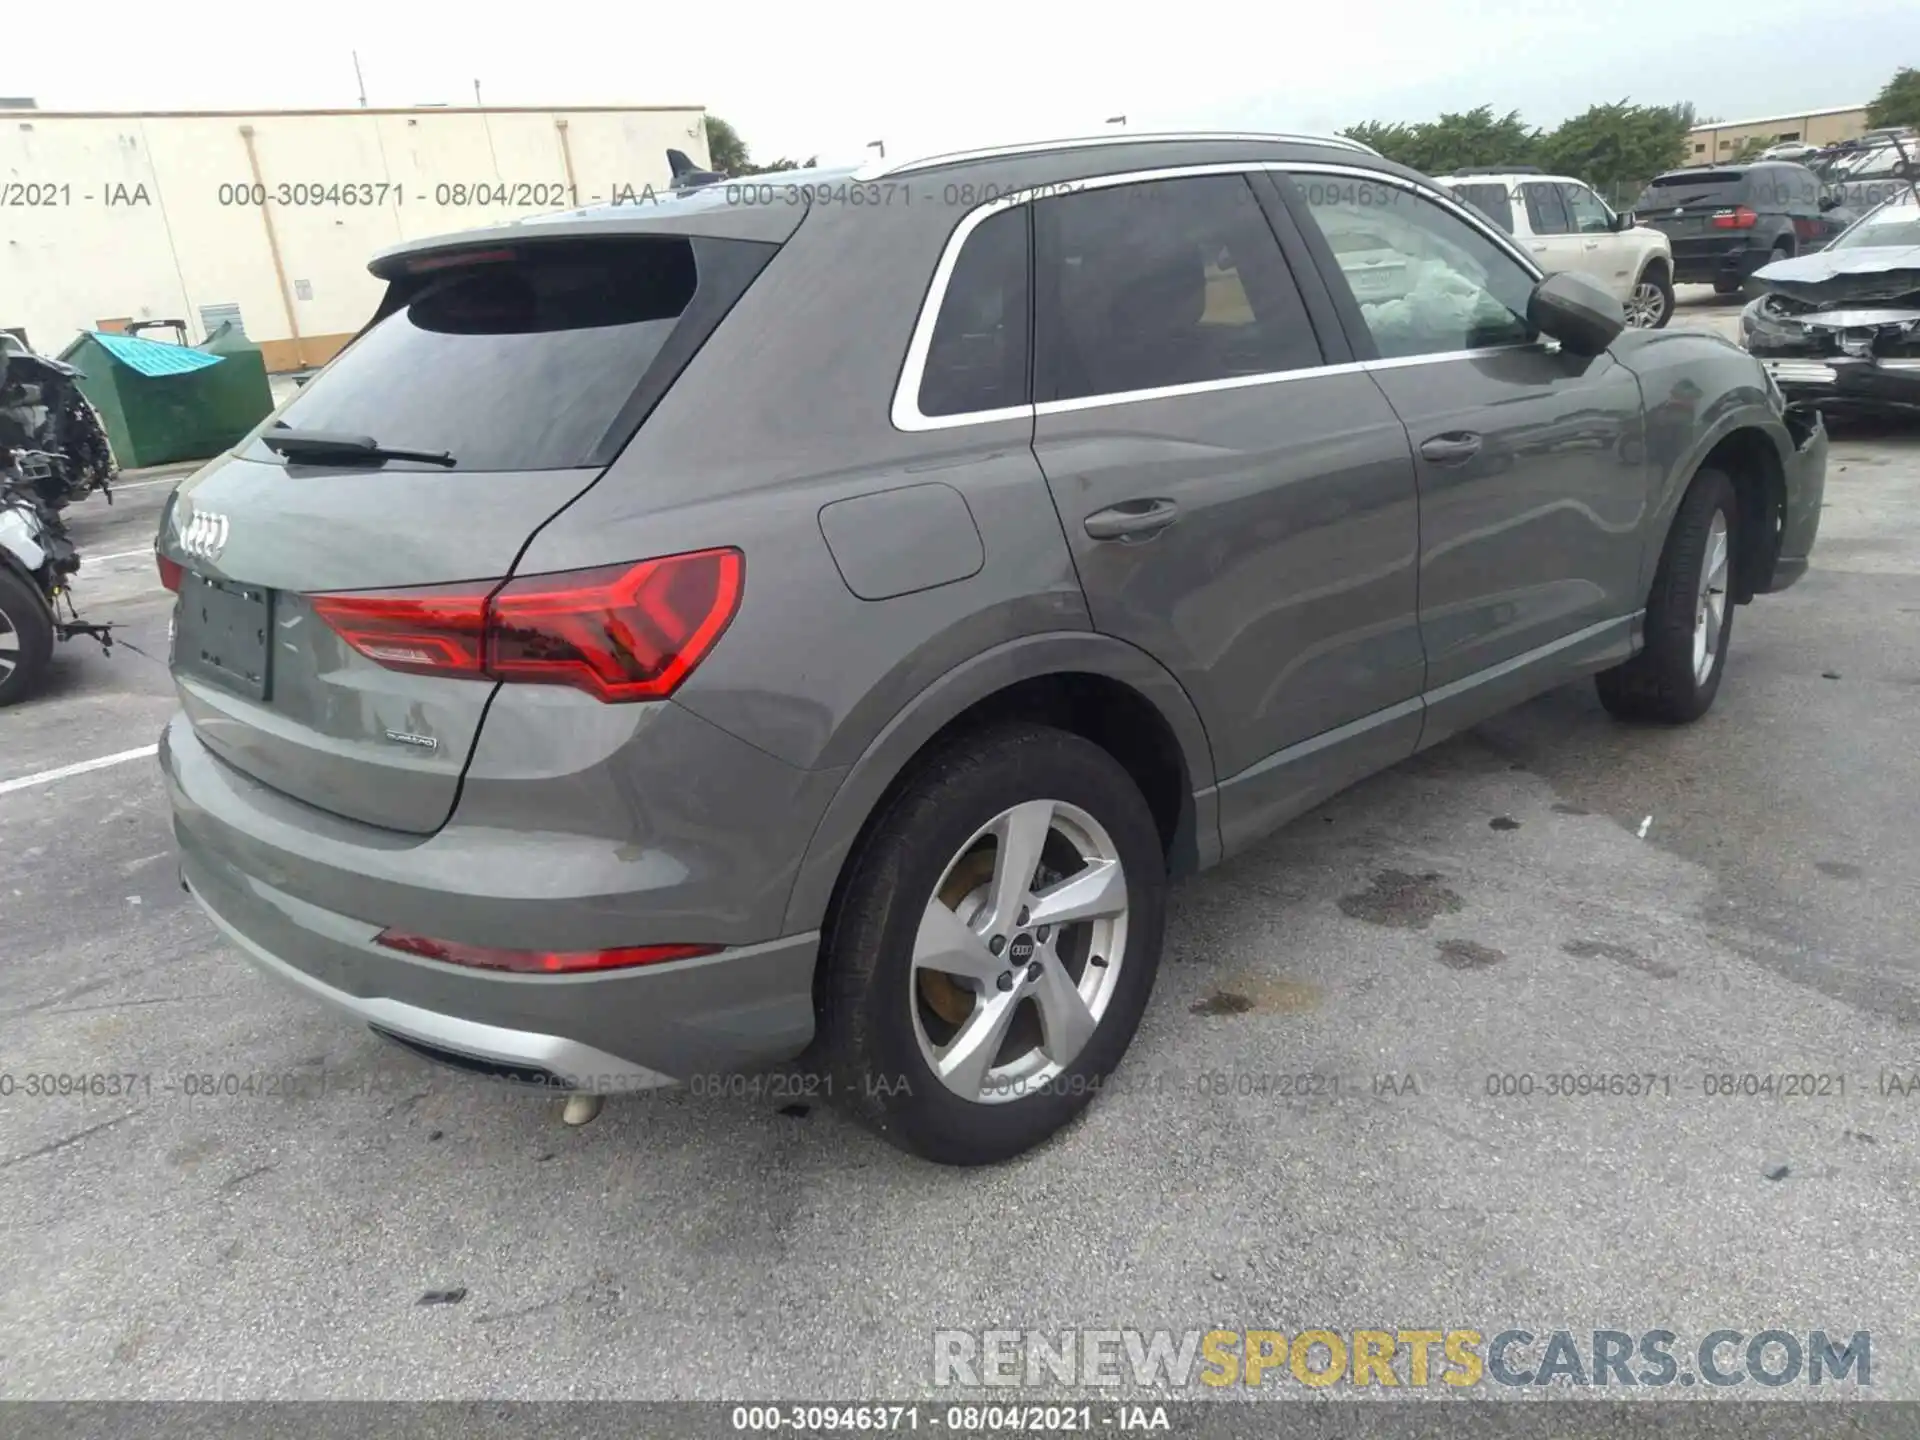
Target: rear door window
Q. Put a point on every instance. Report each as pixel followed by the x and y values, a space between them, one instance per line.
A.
pixel 1491 200
pixel 1171 282
pixel 522 362
pixel 1546 208
pixel 977 358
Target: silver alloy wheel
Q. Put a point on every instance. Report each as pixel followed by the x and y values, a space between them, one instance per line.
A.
pixel 9 645
pixel 1711 607
pixel 1019 951
pixel 1645 306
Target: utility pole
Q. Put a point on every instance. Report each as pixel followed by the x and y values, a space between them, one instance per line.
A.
pixel 879 145
pixel 359 79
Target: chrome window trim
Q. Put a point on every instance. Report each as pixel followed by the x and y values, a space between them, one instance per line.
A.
pixel 905 410
pixel 878 169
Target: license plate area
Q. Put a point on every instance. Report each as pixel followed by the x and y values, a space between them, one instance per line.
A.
pixel 224 634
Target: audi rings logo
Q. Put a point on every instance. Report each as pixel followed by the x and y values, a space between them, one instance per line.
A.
pixel 204 536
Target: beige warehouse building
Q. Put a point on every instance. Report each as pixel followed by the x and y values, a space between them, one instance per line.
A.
pixel 268 218
pixel 1719 139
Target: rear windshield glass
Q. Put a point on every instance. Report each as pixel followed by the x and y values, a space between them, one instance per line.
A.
pixel 1493 201
pixel 508 364
pixel 1694 187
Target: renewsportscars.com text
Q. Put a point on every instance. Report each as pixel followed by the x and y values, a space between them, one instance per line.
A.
pixel 1411 1358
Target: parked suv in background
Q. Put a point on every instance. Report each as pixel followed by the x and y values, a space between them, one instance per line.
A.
pixel 1726 221
pixel 675 637
pixel 1566 227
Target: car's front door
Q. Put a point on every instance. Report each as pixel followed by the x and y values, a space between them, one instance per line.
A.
pixel 1603 253
pixel 1533 484
pixel 1239 500
pixel 1552 243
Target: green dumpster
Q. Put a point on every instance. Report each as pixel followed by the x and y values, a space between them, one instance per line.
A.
pixel 162 403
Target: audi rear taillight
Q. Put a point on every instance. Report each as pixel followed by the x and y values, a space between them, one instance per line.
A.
pixel 622 632
pixel 170 571
pixel 1738 218
pixel 538 962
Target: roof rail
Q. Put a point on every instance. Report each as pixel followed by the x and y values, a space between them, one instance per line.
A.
pixel 875 169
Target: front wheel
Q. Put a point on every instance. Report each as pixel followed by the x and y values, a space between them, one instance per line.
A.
pixel 994 946
pixel 26 638
pixel 1689 614
pixel 1650 305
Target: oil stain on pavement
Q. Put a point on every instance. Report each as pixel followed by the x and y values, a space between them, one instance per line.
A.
pixel 1402 901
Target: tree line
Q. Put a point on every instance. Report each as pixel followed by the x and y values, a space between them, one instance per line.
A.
pixel 1616 147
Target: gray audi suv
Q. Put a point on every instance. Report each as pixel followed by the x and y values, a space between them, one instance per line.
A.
pixel 813 618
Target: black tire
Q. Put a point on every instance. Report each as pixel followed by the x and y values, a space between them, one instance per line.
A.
pixel 868 1045
pixel 24 618
pixel 1659 683
pixel 1657 275
pixel 1727 284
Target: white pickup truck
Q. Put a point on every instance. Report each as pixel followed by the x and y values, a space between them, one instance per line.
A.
pixel 1565 226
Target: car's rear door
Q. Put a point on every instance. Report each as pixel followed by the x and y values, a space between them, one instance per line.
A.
pixel 1698 211
pixel 525 366
pixel 1533 486
pixel 1238 499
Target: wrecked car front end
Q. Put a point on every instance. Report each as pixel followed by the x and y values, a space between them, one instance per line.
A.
pixel 1840 329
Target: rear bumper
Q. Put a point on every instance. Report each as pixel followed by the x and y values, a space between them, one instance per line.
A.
pixel 1846 383
pixel 739 1010
pixel 1700 267
pixel 303 895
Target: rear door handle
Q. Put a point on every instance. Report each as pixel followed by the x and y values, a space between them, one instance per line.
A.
pixel 1451 448
pixel 1132 519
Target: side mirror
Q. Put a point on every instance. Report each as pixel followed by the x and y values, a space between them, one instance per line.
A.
pixel 1579 312
pixel 1829 202
pixel 1625 220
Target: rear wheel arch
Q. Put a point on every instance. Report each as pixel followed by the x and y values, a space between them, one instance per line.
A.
pixel 1090 685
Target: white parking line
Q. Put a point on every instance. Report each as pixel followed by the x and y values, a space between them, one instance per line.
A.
pixel 86 560
pixel 79 768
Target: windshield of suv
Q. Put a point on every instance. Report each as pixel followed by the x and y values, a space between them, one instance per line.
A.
pixel 514 363
pixel 1895 223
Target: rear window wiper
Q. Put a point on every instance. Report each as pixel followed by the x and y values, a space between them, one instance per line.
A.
pixel 338 445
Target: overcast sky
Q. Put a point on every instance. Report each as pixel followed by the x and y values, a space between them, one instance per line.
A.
pixel 827 77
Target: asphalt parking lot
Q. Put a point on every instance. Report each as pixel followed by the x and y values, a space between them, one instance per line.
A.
pixel 1553 893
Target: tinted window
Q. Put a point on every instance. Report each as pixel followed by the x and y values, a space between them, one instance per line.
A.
pixel 1589 215
pixel 1546 210
pixel 978 356
pixel 1437 284
pixel 1173 282
pixel 1693 187
pixel 516 364
pixel 1492 201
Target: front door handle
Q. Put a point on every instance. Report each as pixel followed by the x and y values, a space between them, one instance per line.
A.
pixel 1451 448
pixel 1132 519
